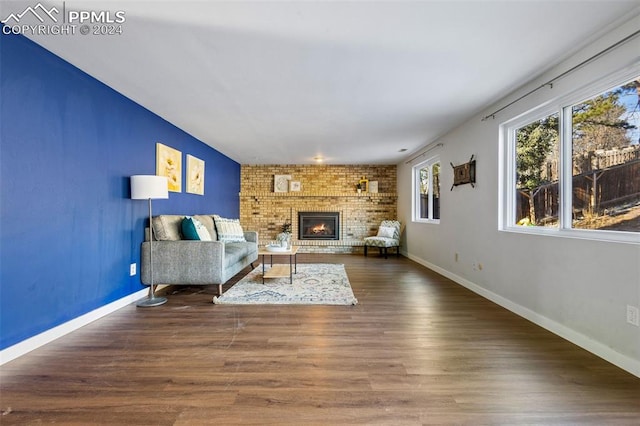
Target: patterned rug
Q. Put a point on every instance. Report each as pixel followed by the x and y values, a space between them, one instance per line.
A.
pixel 313 284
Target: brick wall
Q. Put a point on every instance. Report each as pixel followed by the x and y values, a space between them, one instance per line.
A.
pixel 323 188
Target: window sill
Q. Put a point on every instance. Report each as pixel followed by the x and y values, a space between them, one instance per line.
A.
pixel 427 221
pixel 593 235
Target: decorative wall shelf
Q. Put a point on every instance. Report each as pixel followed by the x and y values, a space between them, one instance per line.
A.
pixel 323 194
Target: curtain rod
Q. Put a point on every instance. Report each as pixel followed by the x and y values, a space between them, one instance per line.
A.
pixel 570 70
pixel 424 152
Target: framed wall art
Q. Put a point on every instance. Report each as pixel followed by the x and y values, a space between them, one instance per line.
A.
pixel 195 175
pixel 294 186
pixel 281 183
pixel 169 165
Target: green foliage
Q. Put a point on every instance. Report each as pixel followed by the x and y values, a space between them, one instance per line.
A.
pixel 424 179
pixel 597 123
pixel 534 143
pixel 436 179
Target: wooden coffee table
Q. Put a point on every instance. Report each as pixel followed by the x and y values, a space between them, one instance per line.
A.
pixel 280 270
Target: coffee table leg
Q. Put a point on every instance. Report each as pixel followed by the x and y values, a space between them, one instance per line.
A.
pixel 263 269
pixel 290 271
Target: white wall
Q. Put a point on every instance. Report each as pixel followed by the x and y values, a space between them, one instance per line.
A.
pixel 577 288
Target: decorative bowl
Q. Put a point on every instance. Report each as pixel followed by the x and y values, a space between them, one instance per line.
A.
pixel 276 248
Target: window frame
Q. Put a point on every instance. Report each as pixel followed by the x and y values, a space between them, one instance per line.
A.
pixel 415 171
pixel 507 163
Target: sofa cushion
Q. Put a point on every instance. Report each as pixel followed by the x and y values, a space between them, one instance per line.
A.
pixel 207 221
pixel 234 252
pixel 192 229
pixel 167 227
pixel 228 230
pixel 381 242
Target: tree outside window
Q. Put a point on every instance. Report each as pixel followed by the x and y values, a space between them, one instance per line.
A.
pixel 606 160
pixel 427 197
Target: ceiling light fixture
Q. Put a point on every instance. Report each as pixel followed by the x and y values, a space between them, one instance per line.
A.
pixel 318 159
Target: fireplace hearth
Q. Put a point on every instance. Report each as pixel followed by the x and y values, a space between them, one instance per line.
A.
pixel 318 225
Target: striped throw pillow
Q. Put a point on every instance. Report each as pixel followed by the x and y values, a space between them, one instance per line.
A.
pixel 228 230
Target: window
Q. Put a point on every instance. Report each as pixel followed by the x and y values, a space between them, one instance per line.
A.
pixel 574 167
pixel 426 198
pixel 605 160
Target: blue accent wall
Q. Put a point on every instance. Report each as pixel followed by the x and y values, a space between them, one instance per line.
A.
pixel 68 230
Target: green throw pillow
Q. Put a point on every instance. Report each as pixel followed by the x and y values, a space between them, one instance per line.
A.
pixel 192 229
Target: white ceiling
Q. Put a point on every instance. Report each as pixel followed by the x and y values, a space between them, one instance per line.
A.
pixel 355 82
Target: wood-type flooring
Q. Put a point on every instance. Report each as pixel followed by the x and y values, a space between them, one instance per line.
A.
pixel 417 349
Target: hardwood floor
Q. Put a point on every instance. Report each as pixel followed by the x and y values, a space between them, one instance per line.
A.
pixel 417 349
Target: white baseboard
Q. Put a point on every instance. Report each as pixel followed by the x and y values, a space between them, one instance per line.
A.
pixel 19 349
pixel 597 348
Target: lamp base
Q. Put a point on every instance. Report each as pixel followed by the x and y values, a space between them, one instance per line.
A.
pixel 151 301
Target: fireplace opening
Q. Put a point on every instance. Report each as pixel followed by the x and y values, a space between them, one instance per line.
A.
pixel 318 225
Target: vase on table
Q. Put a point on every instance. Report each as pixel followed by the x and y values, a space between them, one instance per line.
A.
pixel 284 239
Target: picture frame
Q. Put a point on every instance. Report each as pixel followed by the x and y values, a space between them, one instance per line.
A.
pixel 295 186
pixel 169 165
pixel 373 186
pixel 195 175
pixel 281 183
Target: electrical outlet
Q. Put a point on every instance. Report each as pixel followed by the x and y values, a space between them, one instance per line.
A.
pixel 474 265
pixel 132 269
pixel 633 315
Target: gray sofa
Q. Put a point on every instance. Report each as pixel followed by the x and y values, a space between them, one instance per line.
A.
pixel 177 261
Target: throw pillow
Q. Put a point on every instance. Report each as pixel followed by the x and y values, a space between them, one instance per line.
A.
pixel 386 232
pixel 229 230
pixel 167 227
pixel 192 229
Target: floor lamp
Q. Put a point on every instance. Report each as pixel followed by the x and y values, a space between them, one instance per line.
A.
pixel 148 187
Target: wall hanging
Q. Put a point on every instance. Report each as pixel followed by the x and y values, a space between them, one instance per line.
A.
pixel 464 173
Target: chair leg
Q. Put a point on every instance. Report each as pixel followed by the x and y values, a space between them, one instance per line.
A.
pixel 385 253
pixel 365 250
pixel 397 251
pixel 219 289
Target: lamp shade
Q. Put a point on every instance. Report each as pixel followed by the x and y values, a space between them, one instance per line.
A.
pixel 144 187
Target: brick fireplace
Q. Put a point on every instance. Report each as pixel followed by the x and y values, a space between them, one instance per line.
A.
pixel 322 189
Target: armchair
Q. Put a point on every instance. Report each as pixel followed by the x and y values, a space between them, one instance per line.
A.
pixel 388 237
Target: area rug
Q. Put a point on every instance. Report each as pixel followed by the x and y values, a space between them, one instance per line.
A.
pixel 313 284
